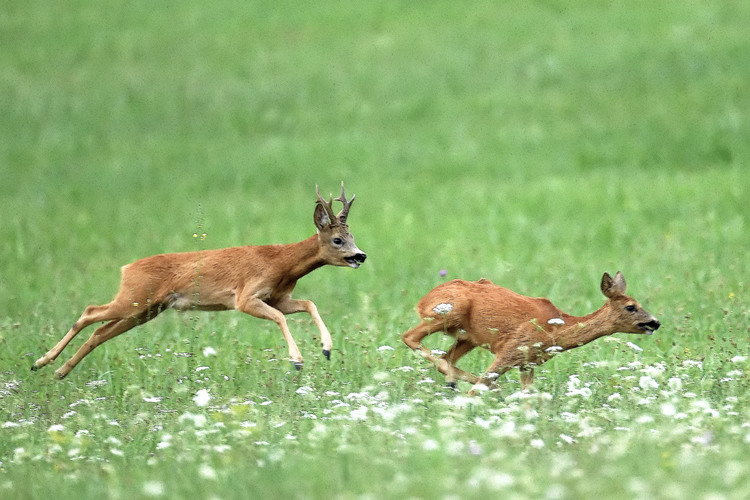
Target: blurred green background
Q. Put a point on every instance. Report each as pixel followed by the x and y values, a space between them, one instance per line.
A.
pixel 537 144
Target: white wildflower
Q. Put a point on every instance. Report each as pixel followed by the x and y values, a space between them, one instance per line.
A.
pixel 153 488
pixel 385 348
pixel 405 368
pixel 474 448
pixel 633 346
pixel 359 413
pixel 507 428
pixel 209 351
pixel 444 308
pixel 567 438
pixel 202 397
pixel 537 443
pixel 704 439
pixel 197 420
pixel 668 410
pixel 56 428
pixel 207 472
pixel 156 399
pixel 738 359
pixel 430 444
pixel 646 382
pixel 674 383
pixel 113 440
pixel 654 370
pixel 305 389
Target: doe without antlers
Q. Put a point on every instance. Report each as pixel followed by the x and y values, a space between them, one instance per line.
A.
pixel 520 331
pixel 257 280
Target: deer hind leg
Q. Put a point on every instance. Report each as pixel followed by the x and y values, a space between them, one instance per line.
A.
pixel 100 335
pixel 291 306
pixel 413 337
pixel 91 315
pixel 259 309
pixel 447 363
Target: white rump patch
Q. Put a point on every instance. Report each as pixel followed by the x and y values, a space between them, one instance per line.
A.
pixel 444 308
pixel 556 321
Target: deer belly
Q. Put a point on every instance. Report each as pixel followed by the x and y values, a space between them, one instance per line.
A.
pixel 187 302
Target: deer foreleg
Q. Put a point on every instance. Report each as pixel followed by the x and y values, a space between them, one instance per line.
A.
pixel 527 376
pixel 291 306
pixel 498 367
pixel 259 309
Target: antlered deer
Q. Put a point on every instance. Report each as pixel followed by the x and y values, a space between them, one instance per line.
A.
pixel 257 280
pixel 520 331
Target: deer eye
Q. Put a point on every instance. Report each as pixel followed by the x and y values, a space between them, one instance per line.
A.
pixel 338 242
pixel 631 308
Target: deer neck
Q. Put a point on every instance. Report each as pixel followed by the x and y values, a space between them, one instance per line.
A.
pixel 580 330
pixel 304 258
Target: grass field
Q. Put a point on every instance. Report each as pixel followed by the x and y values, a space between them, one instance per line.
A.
pixel 533 143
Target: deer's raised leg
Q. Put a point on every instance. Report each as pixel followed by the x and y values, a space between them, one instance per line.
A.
pixel 256 307
pixel 291 306
pixel 446 364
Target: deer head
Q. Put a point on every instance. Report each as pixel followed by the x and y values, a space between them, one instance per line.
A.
pixel 333 232
pixel 631 317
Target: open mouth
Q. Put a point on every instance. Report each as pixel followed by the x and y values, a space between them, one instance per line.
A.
pixel 355 260
pixel 650 327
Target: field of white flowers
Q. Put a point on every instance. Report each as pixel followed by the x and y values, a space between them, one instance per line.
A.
pixel 632 430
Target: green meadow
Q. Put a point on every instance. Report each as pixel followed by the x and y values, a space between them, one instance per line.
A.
pixel 537 144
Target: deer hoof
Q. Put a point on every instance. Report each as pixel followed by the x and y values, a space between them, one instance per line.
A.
pixel 327 354
pixel 34 368
pixel 298 365
pixel 451 385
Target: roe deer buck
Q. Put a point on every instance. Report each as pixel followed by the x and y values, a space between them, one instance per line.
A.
pixel 257 280
pixel 520 331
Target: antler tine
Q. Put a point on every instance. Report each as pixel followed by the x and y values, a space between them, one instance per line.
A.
pixel 325 204
pixel 347 204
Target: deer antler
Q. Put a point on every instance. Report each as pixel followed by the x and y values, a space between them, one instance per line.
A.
pixel 326 205
pixel 347 204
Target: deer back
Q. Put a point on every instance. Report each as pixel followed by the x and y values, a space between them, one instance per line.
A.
pixel 485 311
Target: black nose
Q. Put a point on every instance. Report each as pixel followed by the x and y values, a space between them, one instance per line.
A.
pixel 654 325
pixel 360 257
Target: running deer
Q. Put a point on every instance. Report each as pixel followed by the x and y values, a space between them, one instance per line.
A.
pixel 520 331
pixel 257 280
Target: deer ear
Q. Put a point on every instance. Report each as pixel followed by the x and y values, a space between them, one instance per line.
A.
pixel 613 286
pixel 321 218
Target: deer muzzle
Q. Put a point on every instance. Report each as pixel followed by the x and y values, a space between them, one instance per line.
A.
pixel 356 260
pixel 649 327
